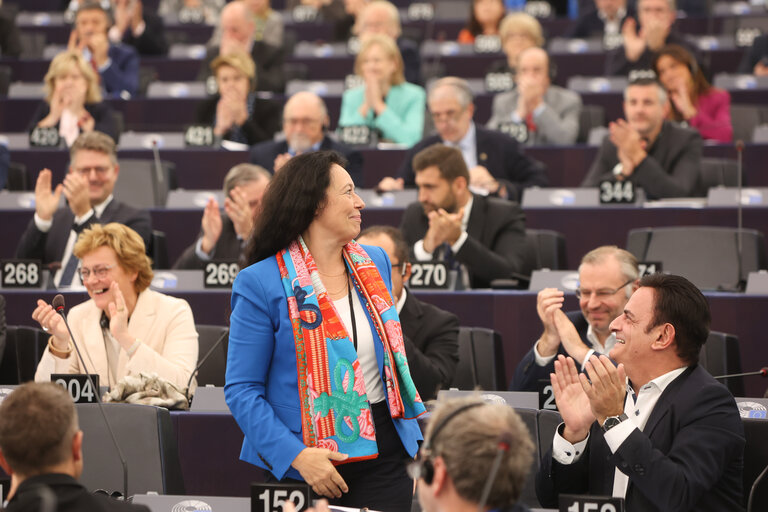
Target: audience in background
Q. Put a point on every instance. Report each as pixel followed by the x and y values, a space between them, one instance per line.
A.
pixel 268 24
pixel 116 63
pixel 540 112
pixel 692 99
pixel 125 328
pixel 305 123
pixel 518 32
pixel 382 17
pixel 604 21
pixel 328 11
pixel 429 333
pixel 5 163
pixel 238 30
pixel 41 447
pixel 755 60
pixel 205 10
pixel 88 188
pixel 607 277
pixel 10 37
pixel 235 112
pixel 138 27
pixel 484 19
pixel 661 157
pixel 73 103
pixel 494 160
pixel 223 236
pixel 483 237
pixel 343 29
pixel 385 102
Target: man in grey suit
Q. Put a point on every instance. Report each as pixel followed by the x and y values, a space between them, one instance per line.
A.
pixel 485 235
pixel 93 171
pixel 536 112
pixel 223 237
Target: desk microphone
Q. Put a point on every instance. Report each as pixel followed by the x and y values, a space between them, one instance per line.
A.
pixel 204 359
pixel 58 305
pixel 158 185
pixel 754 486
pixel 763 372
pixel 505 441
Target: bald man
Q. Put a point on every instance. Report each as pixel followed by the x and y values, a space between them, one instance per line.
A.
pixel 237 34
pixel 537 112
pixel 305 121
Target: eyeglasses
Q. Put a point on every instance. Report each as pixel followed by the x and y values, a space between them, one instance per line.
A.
pixel 98 272
pixel 599 294
pixel 416 468
pixel 85 171
pixel 448 115
pixel 306 121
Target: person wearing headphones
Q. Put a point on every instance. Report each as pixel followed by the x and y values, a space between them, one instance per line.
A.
pixel 235 112
pixel 305 122
pixel 537 111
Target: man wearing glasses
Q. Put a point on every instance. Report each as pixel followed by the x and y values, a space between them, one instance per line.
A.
pixel 305 119
pixel 88 188
pixel 495 164
pixel 607 277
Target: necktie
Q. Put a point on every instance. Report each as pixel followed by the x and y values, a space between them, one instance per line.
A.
pixel 69 271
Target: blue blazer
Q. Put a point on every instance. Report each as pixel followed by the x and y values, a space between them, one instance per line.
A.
pixel 261 385
pixel 123 73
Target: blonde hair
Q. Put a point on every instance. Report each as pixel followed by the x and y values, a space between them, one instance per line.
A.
pixel 390 48
pixel 238 60
pixel 127 244
pixel 60 64
pixel 94 141
pixel 522 22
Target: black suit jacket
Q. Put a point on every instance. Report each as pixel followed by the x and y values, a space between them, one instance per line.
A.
pixel 689 456
pixel 496 246
pixel 102 113
pixel 431 345
pixel 152 41
pixel 261 125
pixel 49 247
pixel 671 169
pixel 10 37
pixel 228 248
pixel 756 53
pixel 590 25
pixel 264 154
pixel 70 495
pixel 528 374
pixel 616 62
pixel 3 327
pixel 269 60
pixel 499 153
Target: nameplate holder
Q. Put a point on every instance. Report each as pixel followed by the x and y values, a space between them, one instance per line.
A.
pixel 357 135
pixel 220 274
pixel 44 137
pixel 304 14
pixel 617 192
pixel 270 497
pixel 546 395
pixel 487 44
pixel 19 273
pixel 586 503
pixel 499 81
pixel 191 16
pixel 518 131
pixel 199 136
pixel 429 275
pixel 646 268
pixel 421 11
pixel 78 386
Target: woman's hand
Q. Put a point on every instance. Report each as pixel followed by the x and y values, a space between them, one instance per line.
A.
pixel 51 322
pixel 118 318
pixel 374 94
pixel 682 101
pixel 315 467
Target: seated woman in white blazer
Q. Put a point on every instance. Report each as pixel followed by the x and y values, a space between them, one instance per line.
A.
pixel 125 328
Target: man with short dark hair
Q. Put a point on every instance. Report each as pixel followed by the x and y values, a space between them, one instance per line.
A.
pixel 223 237
pixel 484 234
pixel 41 448
pixel 607 277
pixel 659 156
pixel 465 439
pixel 430 333
pixel 88 188
pixel 668 438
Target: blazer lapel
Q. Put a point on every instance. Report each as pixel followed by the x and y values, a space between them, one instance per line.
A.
pixel 476 218
pixel 661 409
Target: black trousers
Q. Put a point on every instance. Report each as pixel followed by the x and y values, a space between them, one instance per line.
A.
pixel 381 483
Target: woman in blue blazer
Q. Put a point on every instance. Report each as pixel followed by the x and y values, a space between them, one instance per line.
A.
pixel 317 376
pixel 385 101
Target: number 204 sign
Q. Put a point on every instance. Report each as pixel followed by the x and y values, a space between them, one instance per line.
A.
pixel 272 497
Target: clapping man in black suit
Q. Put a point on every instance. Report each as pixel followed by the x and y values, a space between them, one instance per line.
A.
pixel 88 187
pixel 485 235
pixel 496 164
pixel 430 334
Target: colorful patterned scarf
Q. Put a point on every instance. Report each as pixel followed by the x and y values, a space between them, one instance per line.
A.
pixel 335 412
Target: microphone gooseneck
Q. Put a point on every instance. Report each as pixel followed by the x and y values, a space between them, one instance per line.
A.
pixel 204 359
pixel 58 305
pixel 505 441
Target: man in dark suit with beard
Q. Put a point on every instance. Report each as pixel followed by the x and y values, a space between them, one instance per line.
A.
pixel 305 119
pixel 485 235
pixel 430 334
pixel 494 160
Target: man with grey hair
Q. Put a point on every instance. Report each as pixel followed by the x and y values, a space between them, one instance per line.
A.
pixel 305 121
pixel 223 237
pixel 496 164
pixel 661 157
pixel 607 277
pixel 476 456
pixel 41 448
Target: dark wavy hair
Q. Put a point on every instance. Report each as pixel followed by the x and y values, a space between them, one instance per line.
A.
pixel 293 197
pixel 700 84
pixel 473 25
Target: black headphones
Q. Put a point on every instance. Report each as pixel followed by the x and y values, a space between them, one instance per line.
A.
pixel 427 468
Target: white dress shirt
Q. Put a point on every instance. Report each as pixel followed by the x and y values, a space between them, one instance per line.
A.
pixel 422 254
pixel 597 347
